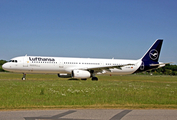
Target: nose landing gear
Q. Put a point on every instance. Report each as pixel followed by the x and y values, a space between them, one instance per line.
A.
pixel 24 76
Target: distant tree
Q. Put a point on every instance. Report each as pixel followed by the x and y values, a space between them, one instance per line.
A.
pixel 1 63
pixel 168 72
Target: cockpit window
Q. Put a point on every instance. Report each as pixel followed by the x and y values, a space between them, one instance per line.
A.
pixel 13 61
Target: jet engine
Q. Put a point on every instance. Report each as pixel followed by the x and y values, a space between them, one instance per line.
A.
pixel 81 74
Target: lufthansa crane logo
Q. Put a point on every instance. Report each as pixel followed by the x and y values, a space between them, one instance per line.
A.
pixel 153 54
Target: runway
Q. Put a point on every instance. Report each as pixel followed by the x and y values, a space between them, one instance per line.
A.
pixel 89 114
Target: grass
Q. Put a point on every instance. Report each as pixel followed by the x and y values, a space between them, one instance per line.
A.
pixel 48 91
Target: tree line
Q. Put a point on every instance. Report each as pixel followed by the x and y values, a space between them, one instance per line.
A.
pixel 167 70
pixel 1 63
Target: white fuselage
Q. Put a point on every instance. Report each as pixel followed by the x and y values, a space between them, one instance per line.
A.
pixel 37 64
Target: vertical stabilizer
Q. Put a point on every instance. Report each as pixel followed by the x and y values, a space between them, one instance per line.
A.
pixel 150 59
pixel 152 55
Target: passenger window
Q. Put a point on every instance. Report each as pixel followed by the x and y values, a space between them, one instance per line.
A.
pixel 16 61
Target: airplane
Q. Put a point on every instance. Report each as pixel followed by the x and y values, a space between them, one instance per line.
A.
pixel 83 68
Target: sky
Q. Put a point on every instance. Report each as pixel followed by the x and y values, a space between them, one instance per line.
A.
pixel 123 29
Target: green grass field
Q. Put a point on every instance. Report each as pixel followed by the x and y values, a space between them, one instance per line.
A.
pixel 42 91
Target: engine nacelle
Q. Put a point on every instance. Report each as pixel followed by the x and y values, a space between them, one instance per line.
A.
pixel 81 74
pixel 61 75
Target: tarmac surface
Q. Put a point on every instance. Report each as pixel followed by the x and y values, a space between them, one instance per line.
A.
pixel 89 114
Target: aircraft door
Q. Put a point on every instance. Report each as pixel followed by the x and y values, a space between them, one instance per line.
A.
pixel 101 63
pixel 25 61
pixel 61 65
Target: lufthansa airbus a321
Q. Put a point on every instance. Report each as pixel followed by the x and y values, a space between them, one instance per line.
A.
pixel 83 68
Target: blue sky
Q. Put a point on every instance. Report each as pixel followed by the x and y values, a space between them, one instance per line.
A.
pixel 87 28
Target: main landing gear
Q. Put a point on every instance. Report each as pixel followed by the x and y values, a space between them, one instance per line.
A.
pixel 93 76
pixel 94 79
pixel 24 76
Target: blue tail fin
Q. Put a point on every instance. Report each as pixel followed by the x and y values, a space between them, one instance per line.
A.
pixel 150 59
pixel 152 55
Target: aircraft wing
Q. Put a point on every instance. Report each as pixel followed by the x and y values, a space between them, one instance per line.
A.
pixel 106 68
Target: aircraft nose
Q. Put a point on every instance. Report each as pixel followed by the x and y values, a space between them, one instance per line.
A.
pixel 5 66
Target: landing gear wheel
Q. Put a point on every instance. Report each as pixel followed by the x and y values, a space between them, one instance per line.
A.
pixel 24 76
pixel 94 79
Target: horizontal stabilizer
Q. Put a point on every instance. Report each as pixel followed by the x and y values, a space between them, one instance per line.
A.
pixel 161 64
